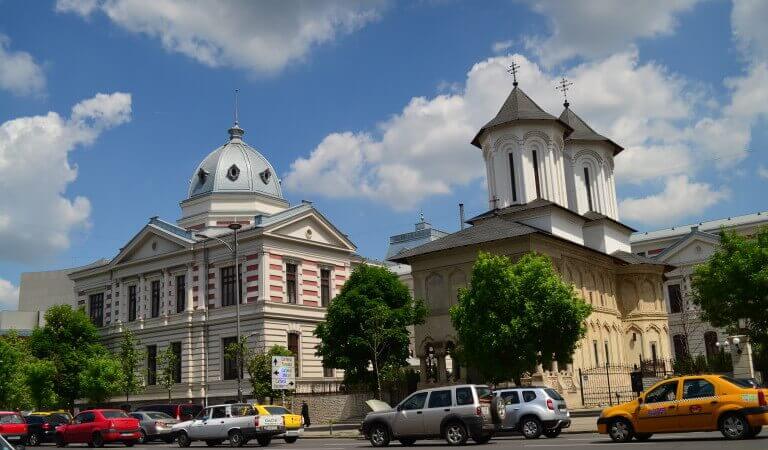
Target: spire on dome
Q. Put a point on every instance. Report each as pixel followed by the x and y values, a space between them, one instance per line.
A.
pixel 236 132
pixel 563 86
pixel 582 131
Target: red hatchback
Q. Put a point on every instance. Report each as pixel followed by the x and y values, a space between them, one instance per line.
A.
pixel 13 428
pixel 96 427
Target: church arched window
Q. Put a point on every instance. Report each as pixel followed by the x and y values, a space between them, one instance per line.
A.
pixel 535 158
pixel 512 177
pixel 589 189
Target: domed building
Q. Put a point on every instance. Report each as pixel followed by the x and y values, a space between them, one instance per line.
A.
pixel 175 285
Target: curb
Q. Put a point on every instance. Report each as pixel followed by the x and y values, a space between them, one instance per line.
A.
pixel 359 437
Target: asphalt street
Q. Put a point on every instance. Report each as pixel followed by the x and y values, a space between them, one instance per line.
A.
pixel 681 441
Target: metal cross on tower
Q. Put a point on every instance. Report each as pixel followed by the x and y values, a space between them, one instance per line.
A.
pixel 563 86
pixel 513 70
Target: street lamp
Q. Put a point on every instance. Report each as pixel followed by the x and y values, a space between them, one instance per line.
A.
pixel 234 227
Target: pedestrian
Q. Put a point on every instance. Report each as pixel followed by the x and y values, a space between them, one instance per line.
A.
pixel 305 413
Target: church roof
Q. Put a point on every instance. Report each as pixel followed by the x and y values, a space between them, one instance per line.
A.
pixel 583 132
pixel 518 106
pixel 631 258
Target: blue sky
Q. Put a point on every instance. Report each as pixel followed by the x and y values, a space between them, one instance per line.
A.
pixel 367 109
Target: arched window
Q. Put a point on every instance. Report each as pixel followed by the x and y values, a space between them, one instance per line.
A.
pixel 681 346
pixel 512 177
pixel 536 173
pixel 710 343
pixel 589 189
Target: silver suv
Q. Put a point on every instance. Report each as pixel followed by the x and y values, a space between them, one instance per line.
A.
pixel 534 411
pixel 454 413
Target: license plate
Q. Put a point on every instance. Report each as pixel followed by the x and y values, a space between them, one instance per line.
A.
pixel 485 409
pixel 126 433
pixel 270 427
pixel 12 437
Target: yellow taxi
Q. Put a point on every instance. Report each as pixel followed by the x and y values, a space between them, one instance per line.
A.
pixel 294 423
pixel 689 403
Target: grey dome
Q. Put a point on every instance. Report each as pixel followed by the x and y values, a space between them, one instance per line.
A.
pixel 235 167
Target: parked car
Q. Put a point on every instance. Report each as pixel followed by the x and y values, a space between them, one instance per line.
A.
pixel 154 425
pixel 96 427
pixel 42 429
pixel 690 403
pixel 294 423
pixel 179 411
pixel 5 445
pixel 238 423
pixel 534 411
pixel 58 412
pixel 454 413
pixel 13 428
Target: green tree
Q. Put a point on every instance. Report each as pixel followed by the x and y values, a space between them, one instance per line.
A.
pixel 515 315
pixel 40 378
pixel 102 377
pixel 13 358
pixel 131 359
pixel 69 340
pixel 733 285
pixel 168 363
pixel 259 367
pixel 367 326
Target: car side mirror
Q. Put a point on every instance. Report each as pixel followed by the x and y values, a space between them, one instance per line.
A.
pixel 399 407
pixel 640 400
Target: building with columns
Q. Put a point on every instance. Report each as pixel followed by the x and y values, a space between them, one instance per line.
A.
pixel 551 190
pixel 174 284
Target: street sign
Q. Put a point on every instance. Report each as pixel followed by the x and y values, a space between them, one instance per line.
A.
pixel 283 372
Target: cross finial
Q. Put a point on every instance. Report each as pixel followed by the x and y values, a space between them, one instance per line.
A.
pixel 563 86
pixel 513 70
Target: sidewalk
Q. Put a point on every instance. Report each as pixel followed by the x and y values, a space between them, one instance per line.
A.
pixel 579 424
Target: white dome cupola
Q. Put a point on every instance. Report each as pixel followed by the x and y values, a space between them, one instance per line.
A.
pixel 233 183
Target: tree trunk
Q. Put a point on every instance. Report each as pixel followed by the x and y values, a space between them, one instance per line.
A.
pixel 378 377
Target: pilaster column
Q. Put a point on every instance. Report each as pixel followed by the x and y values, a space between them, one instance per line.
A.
pixel 165 294
pixel 263 275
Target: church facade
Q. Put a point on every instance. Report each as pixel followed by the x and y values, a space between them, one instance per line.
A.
pixel 175 284
pixel 551 190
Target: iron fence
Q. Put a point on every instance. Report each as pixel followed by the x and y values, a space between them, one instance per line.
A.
pixel 606 385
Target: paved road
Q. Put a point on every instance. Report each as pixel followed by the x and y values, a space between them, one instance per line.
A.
pixel 682 441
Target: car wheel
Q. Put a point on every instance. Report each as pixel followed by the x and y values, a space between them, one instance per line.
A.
pixel 553 432
pixel 264 440
pixel 734 426
pixel 34 439
pixel 531 427
pixel 183 440
pixel 168 439
pixel 379 436
pixel 643 436
pixel 97 440
pixel 620 430
pixel 290 439
pixel 142 437
pixel 60 442
pixel 455 433
pixel 236 438
pixel 482 439
pixel 407 442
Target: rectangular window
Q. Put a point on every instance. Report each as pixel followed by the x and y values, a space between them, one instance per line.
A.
pixel 290 282
pixel 151 365
pixel 132 303
pixel 181 293
pixel 328 372
pixel 589 188
pixel 653 352
pixel 156 298
pixel 597 356
pixel 512 177
pixel 439 399
pixel 230 363
pixel 293 347
pixel 675 298
pixel 228 286
pixel 325 287
pixel 96 309
pixel 176 349
pixel 607 354
pixel 536 173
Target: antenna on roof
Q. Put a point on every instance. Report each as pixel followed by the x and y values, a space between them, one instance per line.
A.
pixel 563 86
pixel 236 92
pixel 513 70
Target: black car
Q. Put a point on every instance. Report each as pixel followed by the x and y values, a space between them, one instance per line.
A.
pixel 41 429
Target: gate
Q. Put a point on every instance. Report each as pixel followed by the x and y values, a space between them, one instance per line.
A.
pixel 606 385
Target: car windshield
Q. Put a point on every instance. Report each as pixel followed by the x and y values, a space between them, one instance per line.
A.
pixel 114 414
pixel 484 393
pixel 554 394
pixel 159 415
pixel 11 418
pixel 276 410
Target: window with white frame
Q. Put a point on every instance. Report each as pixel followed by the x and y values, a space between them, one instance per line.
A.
pixel 291 282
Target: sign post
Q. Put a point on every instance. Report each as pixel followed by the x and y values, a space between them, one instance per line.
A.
pixel 283 374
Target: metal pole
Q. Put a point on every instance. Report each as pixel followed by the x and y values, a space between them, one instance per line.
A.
pixel 237 313
pixel 608 377
pixel 581 383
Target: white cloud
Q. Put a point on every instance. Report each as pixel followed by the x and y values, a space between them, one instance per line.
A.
pixel 9 296
pixel 681 198
pixel 36 216
pixel 501 46
pixel 762 172
pixel 19 73
pixel 748 24
pixel 597 28
pixel 262 37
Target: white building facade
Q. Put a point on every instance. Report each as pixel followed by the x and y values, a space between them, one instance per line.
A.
pixel 174 285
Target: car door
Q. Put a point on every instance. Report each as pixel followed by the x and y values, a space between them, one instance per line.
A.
pixel 439 405
pixel 196 428
pixel 81 427
pixel 658 412
pixel 214 429
pixel 409 419
pixel 697 405
pixel 512 407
